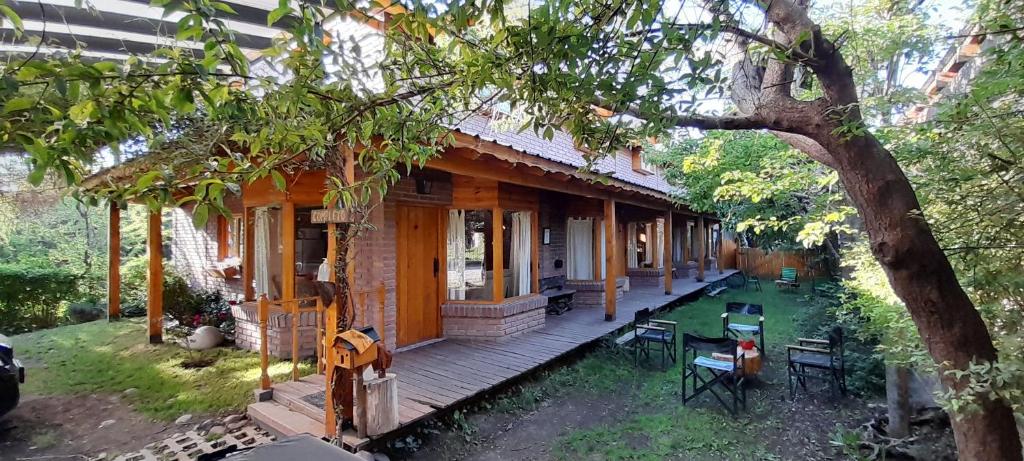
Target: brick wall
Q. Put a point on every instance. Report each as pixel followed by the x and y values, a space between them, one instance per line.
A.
pixel 493 321
pixel 646 276
pixel 279 331
pixel 552 216
pixel 194 250
pixel 590 293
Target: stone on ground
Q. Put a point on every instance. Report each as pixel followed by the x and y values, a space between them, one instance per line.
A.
pixel 183 419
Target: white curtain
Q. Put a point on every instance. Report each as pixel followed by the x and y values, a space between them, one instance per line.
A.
pixel 677 244
pixel 631 259
pixel 456 254
pixel 580 249
pixel 604 262
pixel 521 254
pixel 648 242
pixel 261 252
pixel 659 243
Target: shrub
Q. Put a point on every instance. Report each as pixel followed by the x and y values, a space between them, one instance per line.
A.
pixel 190 307
pixel 833 306
pixel 33 297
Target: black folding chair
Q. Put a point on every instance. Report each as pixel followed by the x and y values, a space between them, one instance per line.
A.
pixel 820 359
pixel 727 374
pixel 650 333
pixel 739 330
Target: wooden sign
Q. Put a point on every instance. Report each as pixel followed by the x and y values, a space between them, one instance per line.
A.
pixel 328 216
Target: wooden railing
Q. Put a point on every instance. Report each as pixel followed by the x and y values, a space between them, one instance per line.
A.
pixel 295 308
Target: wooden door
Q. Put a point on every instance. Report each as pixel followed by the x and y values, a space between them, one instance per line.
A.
pixel 418 272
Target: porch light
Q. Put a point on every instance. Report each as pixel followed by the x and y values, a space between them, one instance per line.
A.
pixel 423 186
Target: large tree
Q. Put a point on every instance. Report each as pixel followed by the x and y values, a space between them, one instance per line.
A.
pixel 648 63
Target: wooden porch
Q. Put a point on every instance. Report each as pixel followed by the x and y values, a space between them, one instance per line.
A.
pixel 440 375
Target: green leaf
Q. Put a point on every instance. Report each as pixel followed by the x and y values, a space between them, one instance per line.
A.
pixel 200 215
pixel 278 179
pixel 277 13
pixel 147 179
pixel 83 112
pixel 18 104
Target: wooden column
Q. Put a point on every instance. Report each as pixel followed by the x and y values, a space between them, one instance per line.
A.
pixel 667 251
pixel 288 250
pixel 609 260
pixel 534 251
pixel 155 280
pixel 114 263
pixel 498 252
pixel 248 263
pixel 701 251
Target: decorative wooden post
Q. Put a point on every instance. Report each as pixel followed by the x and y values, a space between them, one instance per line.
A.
pixel 296 316
pixel 263 314
pixel 701 251
pixel 114 263
pixel 497 243
pixel 611 276
pixel 155 279
pixel 666 253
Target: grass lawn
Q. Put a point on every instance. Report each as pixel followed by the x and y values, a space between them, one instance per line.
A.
pixel 100 357
pixel 645 419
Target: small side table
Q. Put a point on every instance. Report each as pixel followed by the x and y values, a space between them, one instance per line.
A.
pixel 751 359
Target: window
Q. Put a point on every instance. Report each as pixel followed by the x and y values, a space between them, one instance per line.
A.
pixel 518 245
pixel 229 237
pixel 470 255
pixel 640 163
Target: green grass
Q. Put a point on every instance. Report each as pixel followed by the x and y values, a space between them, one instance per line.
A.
pixel 663 427
pixel 112 357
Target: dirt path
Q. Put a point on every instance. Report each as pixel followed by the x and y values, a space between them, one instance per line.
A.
pixel 75 428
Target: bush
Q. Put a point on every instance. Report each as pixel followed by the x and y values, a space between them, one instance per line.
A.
pixel 832 306
pixel 85 312
pixel 33 297
pixel 190 307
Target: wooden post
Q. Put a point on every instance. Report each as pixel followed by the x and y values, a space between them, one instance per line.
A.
pixel 263 313
pixel 288 250
pixel 498 252
pixel 114 263
pixel 319 335
pixel 701 241
pixel 330 359
pixel 248 263
pixel 361 417
pixel 535 251
pixel 611 277
pixel 155 280
pixel 666 253
pixel 382 405
pixel 296 315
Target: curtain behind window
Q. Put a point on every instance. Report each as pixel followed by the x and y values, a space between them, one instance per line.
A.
pixel 580 249
pixel 521 253
pixel 456 265
pixel 261 248
pixel 631 258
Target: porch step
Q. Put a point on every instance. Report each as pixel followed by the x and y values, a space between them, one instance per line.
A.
pixel 282 422
pixel 291 393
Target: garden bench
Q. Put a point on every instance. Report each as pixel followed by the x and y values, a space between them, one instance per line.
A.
pixel 559 297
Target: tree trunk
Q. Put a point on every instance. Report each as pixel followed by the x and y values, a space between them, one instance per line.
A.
pixel 920 274
pixel 897 399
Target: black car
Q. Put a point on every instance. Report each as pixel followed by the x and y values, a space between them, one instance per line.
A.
pixel 11 375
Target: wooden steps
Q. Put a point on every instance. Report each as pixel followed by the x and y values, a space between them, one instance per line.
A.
pixel 283 422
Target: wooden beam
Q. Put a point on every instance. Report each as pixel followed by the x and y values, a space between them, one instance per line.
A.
pixel 701 251
pixel 249 253
pixel 498 252
pixel 609 254
pixel 155 279
pixel 287 250
pixel 114 263
pixel 667 251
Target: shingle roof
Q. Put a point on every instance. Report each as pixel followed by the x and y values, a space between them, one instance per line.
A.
pixel 562 149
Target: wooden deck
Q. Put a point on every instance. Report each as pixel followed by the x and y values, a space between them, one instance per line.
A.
pixel 450 372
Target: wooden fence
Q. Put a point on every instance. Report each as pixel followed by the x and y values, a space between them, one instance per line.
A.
pixel 768 265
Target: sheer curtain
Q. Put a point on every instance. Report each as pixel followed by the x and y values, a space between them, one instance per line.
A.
pixel 659 244
pixel 631 260
pixel 456 266
pixel 579 249
pixel 648 242
pixel 261 248
pixel 604 263
pixel 521 253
